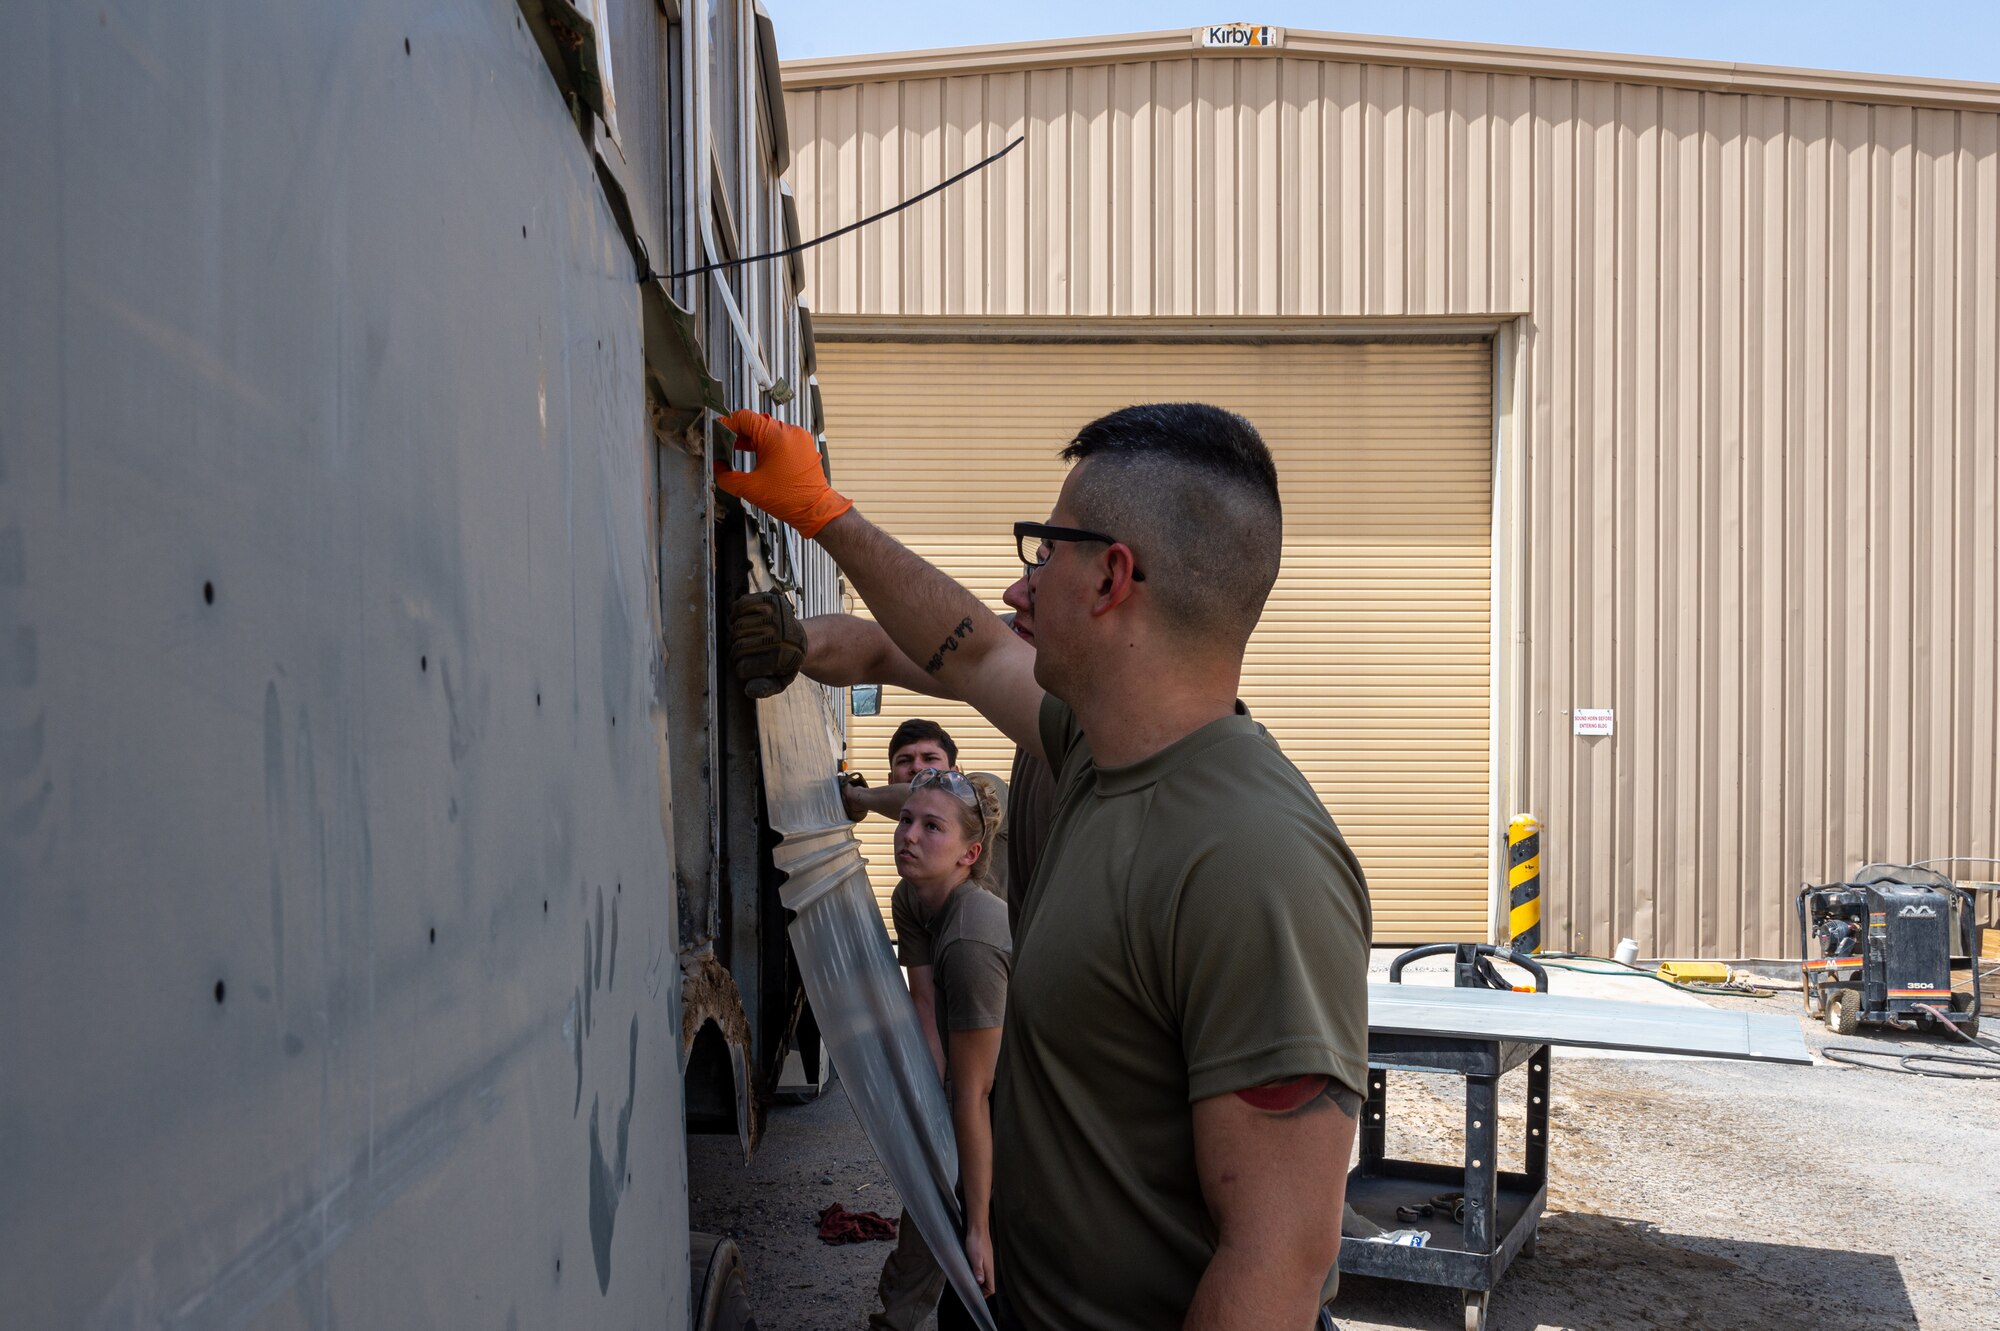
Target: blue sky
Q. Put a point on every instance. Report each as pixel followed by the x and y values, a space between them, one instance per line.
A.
pixel 1933 38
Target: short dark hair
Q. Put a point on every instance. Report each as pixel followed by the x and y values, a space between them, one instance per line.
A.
pixel 1192 489
pixel 915 730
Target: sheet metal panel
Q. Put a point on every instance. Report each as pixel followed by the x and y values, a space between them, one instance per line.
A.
pixel 337 919
pixel 1589 1023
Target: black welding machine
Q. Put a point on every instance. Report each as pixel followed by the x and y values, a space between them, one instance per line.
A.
pixel 1886 945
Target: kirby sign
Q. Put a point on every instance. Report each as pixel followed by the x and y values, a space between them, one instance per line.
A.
pixel 1239 35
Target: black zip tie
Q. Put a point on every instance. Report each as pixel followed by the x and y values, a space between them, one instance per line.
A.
pixel 803 245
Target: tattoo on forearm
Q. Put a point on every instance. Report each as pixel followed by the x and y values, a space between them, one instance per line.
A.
pixel 950 644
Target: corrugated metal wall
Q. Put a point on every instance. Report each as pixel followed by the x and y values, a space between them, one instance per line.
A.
pixel 1755 403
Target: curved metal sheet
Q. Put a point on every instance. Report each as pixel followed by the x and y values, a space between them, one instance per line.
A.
pixel 858 995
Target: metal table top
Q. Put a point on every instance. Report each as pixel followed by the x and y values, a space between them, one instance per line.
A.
pixel 1593 1023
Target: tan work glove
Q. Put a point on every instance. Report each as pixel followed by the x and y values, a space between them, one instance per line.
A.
pixel 767 643
pixel 789 481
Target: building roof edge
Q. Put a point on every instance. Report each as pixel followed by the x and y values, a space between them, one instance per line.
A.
pixel 1178 44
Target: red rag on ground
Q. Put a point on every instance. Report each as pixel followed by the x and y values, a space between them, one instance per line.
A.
pixel 837 1224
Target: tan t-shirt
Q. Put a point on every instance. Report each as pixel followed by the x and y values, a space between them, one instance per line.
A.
pixel 1197 926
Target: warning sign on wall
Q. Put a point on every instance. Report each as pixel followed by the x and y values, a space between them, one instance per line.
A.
pixel 1592 720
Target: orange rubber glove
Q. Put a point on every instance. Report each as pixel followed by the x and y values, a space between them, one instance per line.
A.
pixel 789 481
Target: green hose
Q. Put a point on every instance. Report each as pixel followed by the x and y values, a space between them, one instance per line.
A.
pixel 1625 971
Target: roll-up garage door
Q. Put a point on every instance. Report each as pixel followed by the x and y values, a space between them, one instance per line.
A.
pixel 1370 665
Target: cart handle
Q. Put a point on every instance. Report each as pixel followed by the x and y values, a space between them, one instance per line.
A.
pixel 1474 956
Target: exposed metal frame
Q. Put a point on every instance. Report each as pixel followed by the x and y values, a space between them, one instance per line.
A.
pixel 736 974
pixel 1507 708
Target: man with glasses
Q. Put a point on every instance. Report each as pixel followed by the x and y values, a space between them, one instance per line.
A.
pixel 1187 1023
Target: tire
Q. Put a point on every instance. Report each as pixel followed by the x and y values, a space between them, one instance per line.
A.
pixel 1475 1309
pixel 1843 1011
pixel 718 1297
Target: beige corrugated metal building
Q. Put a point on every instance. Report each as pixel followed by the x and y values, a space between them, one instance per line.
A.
pixel 1594 381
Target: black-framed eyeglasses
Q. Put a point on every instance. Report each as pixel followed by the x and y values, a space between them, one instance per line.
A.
pixel 1034 542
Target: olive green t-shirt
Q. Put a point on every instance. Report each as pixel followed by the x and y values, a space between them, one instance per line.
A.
pixel 1031 802
pixel 1197 926
pixel 972 953
pixel 913 932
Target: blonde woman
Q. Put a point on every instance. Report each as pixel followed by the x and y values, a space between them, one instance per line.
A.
pixel 940 836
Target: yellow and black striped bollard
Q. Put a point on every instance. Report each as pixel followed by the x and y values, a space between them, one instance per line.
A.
pixel 1524 883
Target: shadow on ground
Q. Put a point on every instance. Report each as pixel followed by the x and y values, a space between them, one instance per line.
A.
pixel 1597 1272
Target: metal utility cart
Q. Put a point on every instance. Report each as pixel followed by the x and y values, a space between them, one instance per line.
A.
pixel 1480 1030
pixel 1501 1208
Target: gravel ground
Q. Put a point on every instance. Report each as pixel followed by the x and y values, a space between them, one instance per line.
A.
pixel 810 1155
pixel 1683 1193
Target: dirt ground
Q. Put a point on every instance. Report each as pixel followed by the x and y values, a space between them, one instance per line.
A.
pixel 1683 1193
